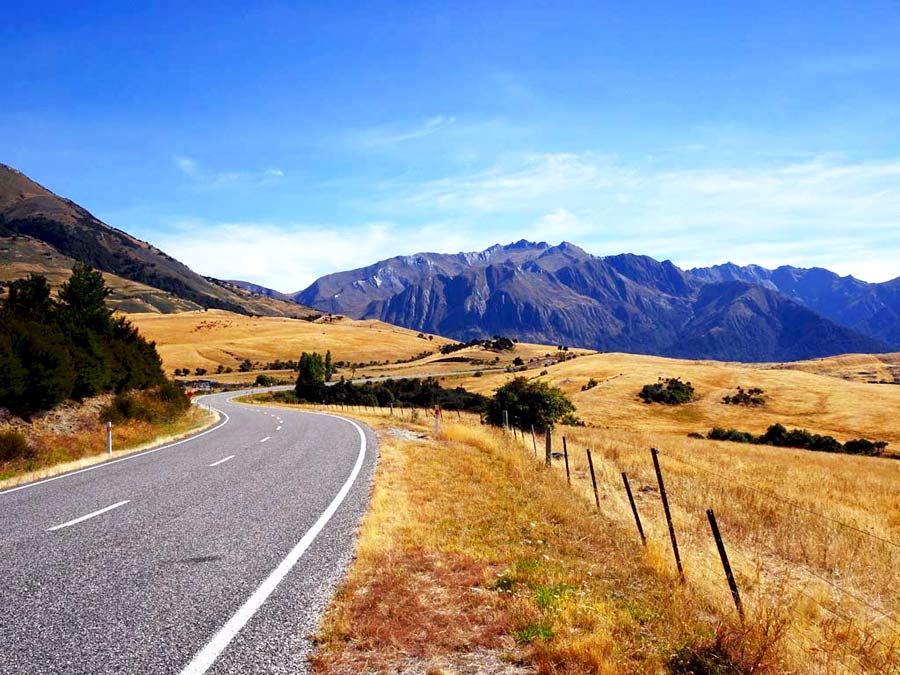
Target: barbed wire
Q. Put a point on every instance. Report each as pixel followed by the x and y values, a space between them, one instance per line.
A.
pixel 783 500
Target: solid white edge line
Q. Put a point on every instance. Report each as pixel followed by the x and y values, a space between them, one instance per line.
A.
pixel 263 440
pixel 208 655
pixel 121 459
pixel 88 516
pixel 222 461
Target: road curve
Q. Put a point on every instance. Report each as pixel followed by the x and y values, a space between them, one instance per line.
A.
pixel 214 555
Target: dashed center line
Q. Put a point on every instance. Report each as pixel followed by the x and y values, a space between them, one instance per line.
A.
pixel 88 516
pixel 265 439
pixel 222 461
pixel 277 428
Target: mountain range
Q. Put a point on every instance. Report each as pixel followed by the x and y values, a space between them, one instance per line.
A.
pixel 564 295
pixel 531 291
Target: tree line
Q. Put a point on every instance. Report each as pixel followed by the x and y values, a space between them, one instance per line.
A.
pixel 527 402
pixel 68 348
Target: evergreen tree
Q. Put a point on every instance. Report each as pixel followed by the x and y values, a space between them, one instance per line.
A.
pixel 329 367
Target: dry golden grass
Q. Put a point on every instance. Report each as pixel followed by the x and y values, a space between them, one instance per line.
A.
pixel 814 538
pixel 215 337
pixel 59 452
pixel 794 398
pixel 475 558
pixel 870 368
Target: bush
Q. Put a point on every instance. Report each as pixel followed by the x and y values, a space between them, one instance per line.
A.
pixel 265 381
pixel 670 391
pixel 13 446
pixel 720 434
pixel 165 403
pixel 749 397
pixel 591 383
pixel 779 436
pixel 528 403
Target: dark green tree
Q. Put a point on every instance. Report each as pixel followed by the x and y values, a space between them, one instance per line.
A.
pixel 311 378
pixel 329 367
pixel 528 403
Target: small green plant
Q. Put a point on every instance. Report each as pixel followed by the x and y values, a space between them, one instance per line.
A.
pixel 547 596
pixel 534 631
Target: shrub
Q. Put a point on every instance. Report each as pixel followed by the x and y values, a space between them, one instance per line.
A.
pixel 528 403
pixel 749 397
pixel 779 436
pixel 591 383
pixel 720 434
pixel 13 446
pixel 670 391
pixel 164 403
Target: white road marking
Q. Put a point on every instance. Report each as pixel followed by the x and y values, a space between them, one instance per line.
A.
pixel 88 516
pixel 207 656
pixel 265 439
pixel 121 459
pixel 277 428
pixel 222 461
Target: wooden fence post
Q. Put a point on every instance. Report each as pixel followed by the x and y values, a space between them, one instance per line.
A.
pixel 593 479
pixel 566 455
pixel 637 518
pixel 665 500
pixel 732 584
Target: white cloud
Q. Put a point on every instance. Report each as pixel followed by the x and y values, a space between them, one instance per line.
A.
pixel 811 212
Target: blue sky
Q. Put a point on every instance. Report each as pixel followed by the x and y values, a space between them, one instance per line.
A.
pixel 280 141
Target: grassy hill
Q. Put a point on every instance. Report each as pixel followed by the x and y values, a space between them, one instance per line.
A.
pixel 208 339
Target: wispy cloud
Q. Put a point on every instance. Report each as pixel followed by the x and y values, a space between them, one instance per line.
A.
pixel 208 179
pixel 387 136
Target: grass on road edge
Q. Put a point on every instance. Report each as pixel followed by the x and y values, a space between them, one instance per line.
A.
pixel 474 558
pixel 128 438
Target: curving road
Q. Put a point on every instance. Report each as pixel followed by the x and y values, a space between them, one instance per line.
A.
pixel 216 554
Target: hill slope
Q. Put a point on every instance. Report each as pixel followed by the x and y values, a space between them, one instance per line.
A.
pixel 563 295
pixel 30 210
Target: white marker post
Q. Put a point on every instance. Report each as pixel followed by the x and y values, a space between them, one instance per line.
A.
pixel 109 438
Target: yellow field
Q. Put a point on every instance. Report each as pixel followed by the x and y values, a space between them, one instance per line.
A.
pixel 814 538
pixel 794 398
pixel 215 337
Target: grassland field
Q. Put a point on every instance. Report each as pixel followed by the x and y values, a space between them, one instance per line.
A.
pixel 814 538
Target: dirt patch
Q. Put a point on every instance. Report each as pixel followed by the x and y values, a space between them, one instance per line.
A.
pixel 421 611
pixel 405 434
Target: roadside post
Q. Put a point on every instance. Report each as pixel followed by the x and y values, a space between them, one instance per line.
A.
pixel 109 437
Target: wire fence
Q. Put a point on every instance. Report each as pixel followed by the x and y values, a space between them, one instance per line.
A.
pixel 854 630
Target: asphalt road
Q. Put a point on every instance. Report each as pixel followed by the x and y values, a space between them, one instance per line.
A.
pixel 214 555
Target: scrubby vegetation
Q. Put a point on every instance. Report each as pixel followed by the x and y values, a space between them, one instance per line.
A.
pixel 158 405
pixel 669 390
pixel 70 348
pixel 530 403
pixel 779 436
pixel 748 397
pixel 590 384
pixel 498 343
